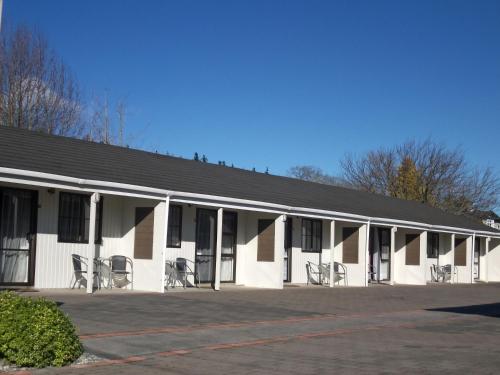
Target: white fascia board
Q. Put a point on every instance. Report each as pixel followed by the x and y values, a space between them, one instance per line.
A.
pixel 153 193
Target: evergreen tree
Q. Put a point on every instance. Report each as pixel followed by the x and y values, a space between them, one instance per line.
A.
pixel 407 183
pixel 196 157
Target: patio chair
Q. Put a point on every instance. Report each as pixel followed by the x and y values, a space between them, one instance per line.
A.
pixel 436 273
pixel 171 275
pixel 340 272
pixel 80 270
pixel 185 268
pixel 104 271
pixel 313 273
pixel 449 273
pixel 324 270
pixel 122 268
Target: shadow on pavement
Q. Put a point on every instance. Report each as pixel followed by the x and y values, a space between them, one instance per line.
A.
pixel 490 310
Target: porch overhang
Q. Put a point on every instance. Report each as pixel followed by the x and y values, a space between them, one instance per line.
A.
pixel 28 177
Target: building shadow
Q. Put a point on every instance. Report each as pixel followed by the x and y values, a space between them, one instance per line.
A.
pixel 491 310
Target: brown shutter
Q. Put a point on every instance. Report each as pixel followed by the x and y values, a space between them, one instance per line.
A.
pixel 412 250
pixel 460 252
pixel 265 246
pixel 350 245
pixel 144 223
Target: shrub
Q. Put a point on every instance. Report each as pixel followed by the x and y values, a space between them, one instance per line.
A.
pixel 35 333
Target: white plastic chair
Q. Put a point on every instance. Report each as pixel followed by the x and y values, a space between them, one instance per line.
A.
pixel 340 272
pixel 121 268
pixel 313 271
pixel 80 270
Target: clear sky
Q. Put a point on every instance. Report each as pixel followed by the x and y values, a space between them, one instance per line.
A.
pixel 268 83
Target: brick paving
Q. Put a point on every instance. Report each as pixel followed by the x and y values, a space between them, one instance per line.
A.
pixel 381 329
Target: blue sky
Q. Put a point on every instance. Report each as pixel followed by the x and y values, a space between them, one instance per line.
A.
pixel 280 83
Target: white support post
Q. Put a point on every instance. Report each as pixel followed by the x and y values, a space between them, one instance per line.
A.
pixel 332 253
pixel 452 260
pixel 486 255
pixel 94 198
pixel 218 248
pixel 393 255
pixel 164 245
pixel 279 247
pixel 367 257
pixel 472 258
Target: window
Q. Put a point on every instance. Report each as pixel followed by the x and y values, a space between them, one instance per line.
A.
pixel 432 245
pixel 74 217
pixel 311 235
pixel 174 226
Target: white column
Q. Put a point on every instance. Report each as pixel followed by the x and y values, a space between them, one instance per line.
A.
pixel 279 247
pixel 94 198
pixel 164 245
pixel 367 258
pixel 452 258
pixel 486 255
pixel 472 258
pixel 218 248
pixel 332 253
pixel 392 265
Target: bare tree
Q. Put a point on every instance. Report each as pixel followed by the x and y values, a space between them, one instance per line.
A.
pixel 121 110
pixel 442 177
pixel 314 174
pixel 37 90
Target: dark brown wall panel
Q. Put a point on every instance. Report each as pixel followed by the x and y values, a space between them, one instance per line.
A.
pixel 144 224
pixel 412 250
pixel 350 244
pixel 460 252
pixel 265 246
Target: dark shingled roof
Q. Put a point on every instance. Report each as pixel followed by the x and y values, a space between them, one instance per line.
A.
pixel 22 149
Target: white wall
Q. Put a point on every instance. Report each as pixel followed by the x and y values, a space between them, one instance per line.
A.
pixel 261 274
pixel 412 275
pixel 299 258
pixel 482 260
pixel 494 260
pixel 356 273
pixel 148 273
pixel 464 272
pixel 54 268
pixel 187 249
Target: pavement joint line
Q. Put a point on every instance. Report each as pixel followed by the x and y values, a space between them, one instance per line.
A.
pixel 158 331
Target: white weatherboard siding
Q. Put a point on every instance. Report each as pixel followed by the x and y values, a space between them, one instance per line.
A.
pixel 300 258
pixel 188 235
pixel 54 268
pixel 482 260
pixel 464 272
pixel 261 274
pixel 355 271
pixel 494 260
pixel 446 250
pixel 147 272
pixel 410 274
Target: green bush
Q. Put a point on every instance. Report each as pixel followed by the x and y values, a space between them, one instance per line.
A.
pixel 35 333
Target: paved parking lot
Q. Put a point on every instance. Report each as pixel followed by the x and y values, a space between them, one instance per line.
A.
pixel 380 329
